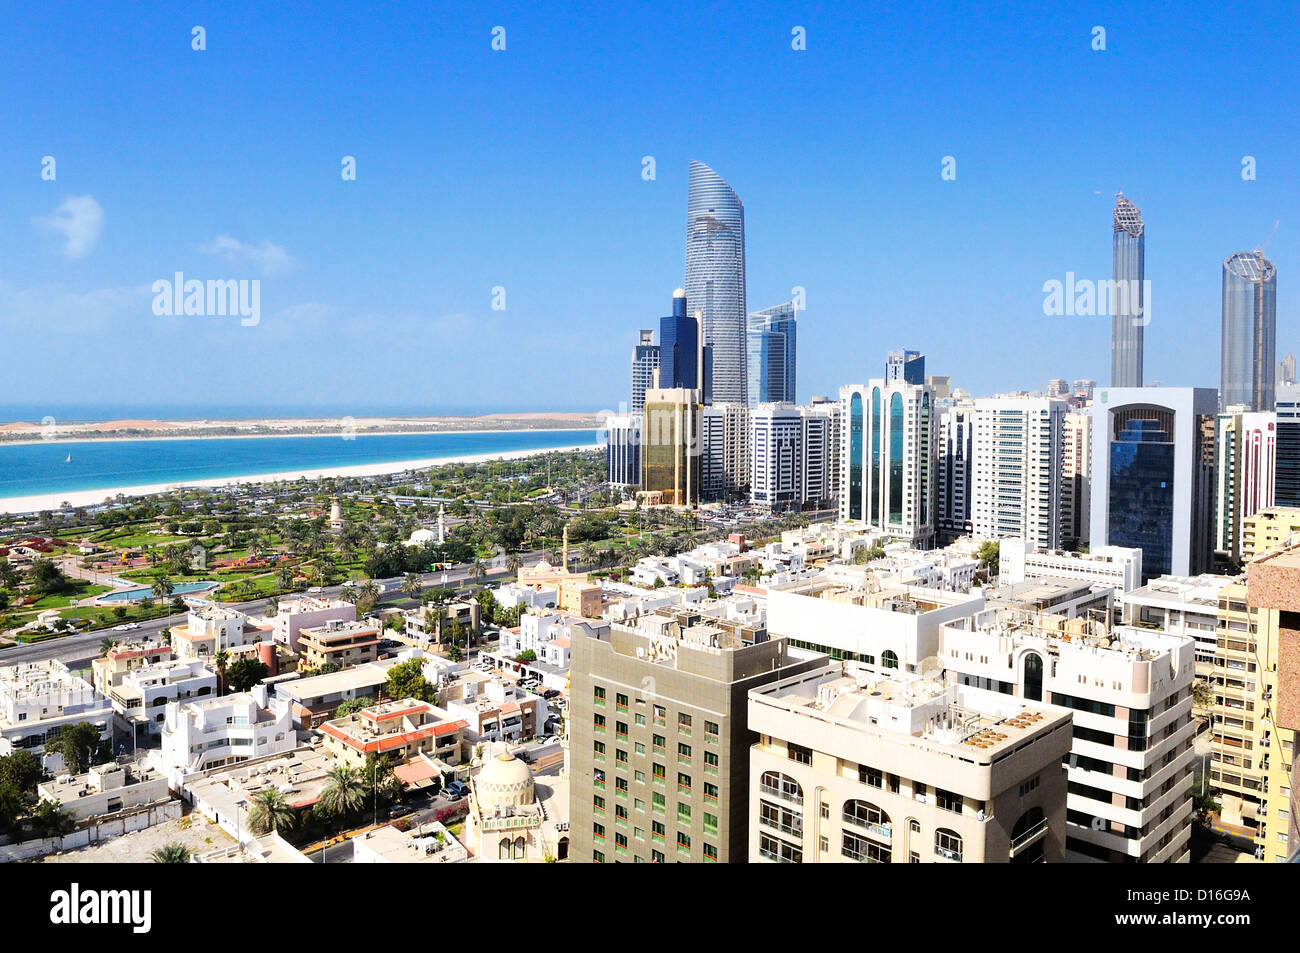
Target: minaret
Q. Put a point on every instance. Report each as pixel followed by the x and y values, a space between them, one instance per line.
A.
pixel 565 567
pixel 442 524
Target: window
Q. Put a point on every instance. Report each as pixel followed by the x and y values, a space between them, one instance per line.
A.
pixel 660 743
pixel 638 777
pixel 871 776
pixel 710 792
pixel 639 748
pixel 865 815
pixel 660 773
pixel 598 803
pixel 620 700
pixel 683 752
pixel 947 801
pixel 640 720
pixel 683 842
pixel 710 854
pixel 799 753
pixel 621 728
pixel 660 715
pixel 947 844
pixel 783 852
pixel 711 824
pixel 600 724
pixel 683 814
pixel 775 784
pixel 600 696
pixel 684 723
pixel 711 732
pixel 864 851
pixel 711 762
pixel 781 817
pixel 683 783
pixel 659 802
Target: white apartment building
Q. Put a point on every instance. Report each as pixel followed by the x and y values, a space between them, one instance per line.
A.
pixel 1245 464
pixel 1016 474
pixel 1178 606
pixel 889 462
pixel 1130 692
pixel 199 735
pixel 819 455
pixel 37 699
pixel 140 695
pixel 211 629
pixel 107 789
pixel 294 615
pixel 1076 476
pixel 893 628
pixel 724 448
pixel 545 634
pixel 776 443
pixel 857 768
pixel 1119 567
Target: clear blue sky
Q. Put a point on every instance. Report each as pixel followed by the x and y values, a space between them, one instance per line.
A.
pixel 522 169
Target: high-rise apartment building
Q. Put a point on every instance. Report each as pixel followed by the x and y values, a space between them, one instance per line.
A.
pixel 645 362
pixel 1274 527
pixel 1084 387
pixel 1058 387
pixel 679 347
pixel 1245 456
pixel 623 450
pixel 1249 332
pixel 659 738
pixel 906 366
pixel 820 454
pixel 1130 692
pixel 1016 474
pixel 1286 478
pixel 1152 475
pixel 715 279
pixel 670 446
pixel 1251 751
pixel 955 456
pixel 856 767
pixel 771 355
pixel 888 459
pixel 725 454
pixel 1129 317
pixel 1076 475
pixel 776 447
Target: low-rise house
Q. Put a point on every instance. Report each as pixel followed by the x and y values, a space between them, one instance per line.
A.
pixel 199 735
pixel 430 843
pixel 140 695
pixel 37 699
pixel 493 707
pixel 338 643
pixel 402 730
pixel 211 629
pixel 433 625
pixel 106 789
pixel 294 615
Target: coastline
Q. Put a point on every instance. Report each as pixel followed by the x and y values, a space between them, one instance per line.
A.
pixel 14 505
pixel 79 438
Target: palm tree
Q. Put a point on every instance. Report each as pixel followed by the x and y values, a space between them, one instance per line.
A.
pixel 162 588
pixel 411 584
pixel 172 853
pixel 270 812
pixel 514 562
pixel 220 659
pixel 477 570
pixel 105 645
pixel 284 576
pixel 345 791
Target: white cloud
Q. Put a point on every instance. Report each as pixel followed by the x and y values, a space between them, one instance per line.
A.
pixel 78 221
pixel 269 257
pixel 50 310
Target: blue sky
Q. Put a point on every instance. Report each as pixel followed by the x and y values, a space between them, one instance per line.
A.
pixel 522 169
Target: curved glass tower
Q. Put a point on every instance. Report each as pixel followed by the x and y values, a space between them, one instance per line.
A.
pixel 1127 301
pixel 771 355
pixel 715 278
pixel 1249 332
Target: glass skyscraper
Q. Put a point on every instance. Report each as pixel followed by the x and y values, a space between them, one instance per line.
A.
pixel 1249 330
pixel 1142 491
pixel 679 346
pixel 715 278
pixel 1128 253
pixel 771 356
pixel 645 361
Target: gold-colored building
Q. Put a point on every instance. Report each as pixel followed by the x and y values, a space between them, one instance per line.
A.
pixel 670 445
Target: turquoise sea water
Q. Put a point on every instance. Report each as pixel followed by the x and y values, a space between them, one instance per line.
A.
pixel 66 466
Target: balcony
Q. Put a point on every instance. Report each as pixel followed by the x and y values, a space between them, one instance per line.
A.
pixel 791 830
pixel 880 831
pixel 768 790
pixel 1032 836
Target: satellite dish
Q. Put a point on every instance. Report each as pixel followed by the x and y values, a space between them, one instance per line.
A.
pixel 931 667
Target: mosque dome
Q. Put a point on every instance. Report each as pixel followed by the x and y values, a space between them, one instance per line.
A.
pixel 504 781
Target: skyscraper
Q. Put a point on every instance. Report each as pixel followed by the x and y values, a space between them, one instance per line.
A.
pixel 1016 470
pixel 1153 475
pixel 906 366
pixel 715 278
pixel 1249 329
pixel 888 463
pixel 679 345
pixel 771 357
pixel 1128 267
pixel 670 445
pixel 645 361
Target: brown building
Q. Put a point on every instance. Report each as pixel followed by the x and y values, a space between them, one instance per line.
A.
pixel 659 742
pixel 340 643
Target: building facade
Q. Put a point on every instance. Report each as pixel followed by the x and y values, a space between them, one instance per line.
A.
pixel 1016 472
pixel 715 279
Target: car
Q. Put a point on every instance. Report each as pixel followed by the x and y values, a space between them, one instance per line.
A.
pixel 400 810
pixel 314 590
pixel 523 756
pixel 551 693
pixel 456 790
pixel 119 628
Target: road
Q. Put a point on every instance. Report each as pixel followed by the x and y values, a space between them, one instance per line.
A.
pixel 85 645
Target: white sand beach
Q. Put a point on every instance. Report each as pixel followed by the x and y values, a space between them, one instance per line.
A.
pixel 52 501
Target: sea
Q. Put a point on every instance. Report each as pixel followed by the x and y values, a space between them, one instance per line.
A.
pixel 59 466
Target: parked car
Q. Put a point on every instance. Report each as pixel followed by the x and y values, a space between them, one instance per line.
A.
pixel 551 693
pixel 456 790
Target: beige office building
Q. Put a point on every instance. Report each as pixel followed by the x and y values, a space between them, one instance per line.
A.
pixel 853 767
pixel 658 736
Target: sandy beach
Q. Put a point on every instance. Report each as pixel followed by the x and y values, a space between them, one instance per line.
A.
pixel 52 501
